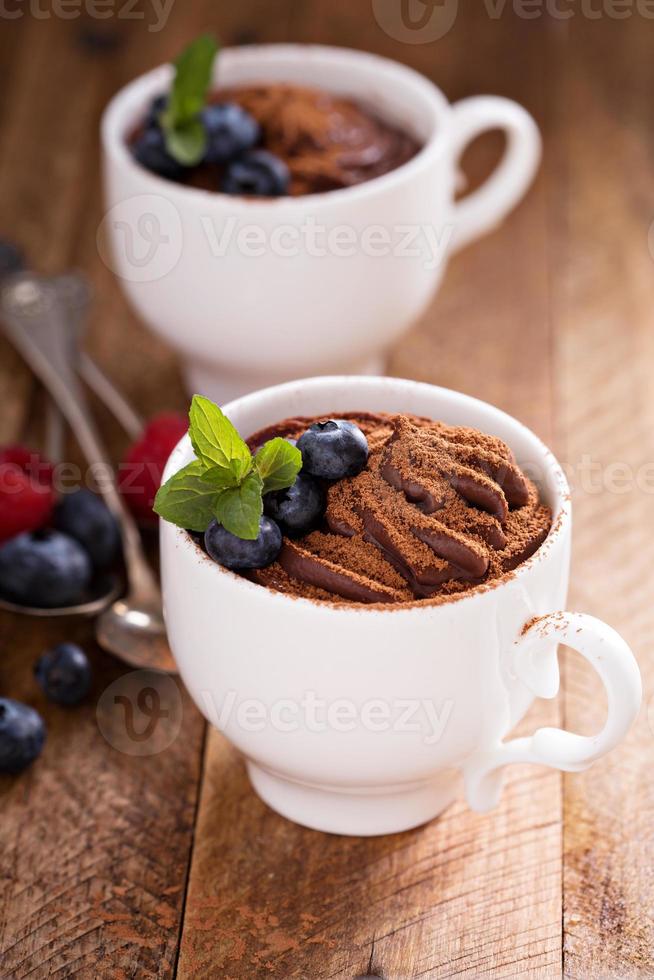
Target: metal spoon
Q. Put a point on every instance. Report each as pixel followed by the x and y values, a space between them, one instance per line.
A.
pixel 75 292
pixel 105 590
pixel 34 319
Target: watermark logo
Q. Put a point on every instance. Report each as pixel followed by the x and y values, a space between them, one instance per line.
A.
pixel 140 713
pixel 587 474
pixel 415 21
pixel 140 239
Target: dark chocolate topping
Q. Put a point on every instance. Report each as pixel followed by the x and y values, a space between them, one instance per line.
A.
pixel 437 511
pixel 306 567
pixel 327 142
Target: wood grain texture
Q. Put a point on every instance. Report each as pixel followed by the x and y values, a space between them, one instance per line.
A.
pixel 94 843
pixel 603 310
pixel 464 896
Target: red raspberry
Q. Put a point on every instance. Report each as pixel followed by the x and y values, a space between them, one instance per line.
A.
pixel 143 465
pixel 26 493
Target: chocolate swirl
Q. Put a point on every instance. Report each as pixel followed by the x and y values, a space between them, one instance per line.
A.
pixel 439 509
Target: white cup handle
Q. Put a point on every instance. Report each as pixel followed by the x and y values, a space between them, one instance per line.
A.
pixel 535 663
pixel 486 207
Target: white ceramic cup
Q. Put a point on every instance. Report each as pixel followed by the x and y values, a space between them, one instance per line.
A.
pixel 360 720
pixel 255 292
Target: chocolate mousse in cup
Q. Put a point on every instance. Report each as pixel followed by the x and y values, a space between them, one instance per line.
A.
pixel 326 276
pixel 374 670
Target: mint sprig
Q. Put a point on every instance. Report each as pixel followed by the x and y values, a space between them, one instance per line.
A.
pixel 226 482
pixel 180 121
pixel 276 466
pixel 239 509
pixel 186 499
pixel 217 443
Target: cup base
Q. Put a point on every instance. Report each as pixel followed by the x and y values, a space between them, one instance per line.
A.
pixel 363 813
pixel 224 387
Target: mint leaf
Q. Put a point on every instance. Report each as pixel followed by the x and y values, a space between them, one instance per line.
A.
pixel 215 440
pixel 225 482
pixel 221 477
pixel 186 500
pixel 239 509
pixel 192 79
pixel 184 134
pixel 278 463
pixel 186 143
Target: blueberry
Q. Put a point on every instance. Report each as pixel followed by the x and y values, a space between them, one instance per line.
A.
pixel 230 130
pixel 45 569
pixel 86 518
pixel 149 149
pixel 157 106
pixel 22 734
pixel 256 174
pixel 333 449
pixel 297 508
pixel 232 552
pixel 11 258
pixel 64 673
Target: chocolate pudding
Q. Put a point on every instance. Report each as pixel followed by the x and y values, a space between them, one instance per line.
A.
pixel 326 142
pixel 437 511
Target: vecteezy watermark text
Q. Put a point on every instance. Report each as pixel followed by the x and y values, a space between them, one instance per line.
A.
pixel 586 475
pixel 141 239
pixel 156 13
pixel 426 21
pixel 424 241
pixel 317 715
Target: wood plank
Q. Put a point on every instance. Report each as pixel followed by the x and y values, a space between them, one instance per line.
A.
pixel 602 308
pixel 268 898
pixel 467 895
pixel 95 842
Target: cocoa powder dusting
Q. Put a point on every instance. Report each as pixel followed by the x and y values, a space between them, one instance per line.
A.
pixel 437 511
pixel 327 142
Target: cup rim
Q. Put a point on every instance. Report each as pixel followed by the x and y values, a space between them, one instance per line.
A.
pixel 115 121
pixel 560 519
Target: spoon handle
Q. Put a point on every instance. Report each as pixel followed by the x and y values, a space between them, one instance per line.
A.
pixel 35 320
pixel 76 293
pixel 55 432
pixel 110 396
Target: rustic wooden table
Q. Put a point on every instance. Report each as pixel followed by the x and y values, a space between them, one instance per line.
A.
pixel 121 866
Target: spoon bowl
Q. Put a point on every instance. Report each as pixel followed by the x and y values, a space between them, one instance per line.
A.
pixel 136 634
pixel 102 592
